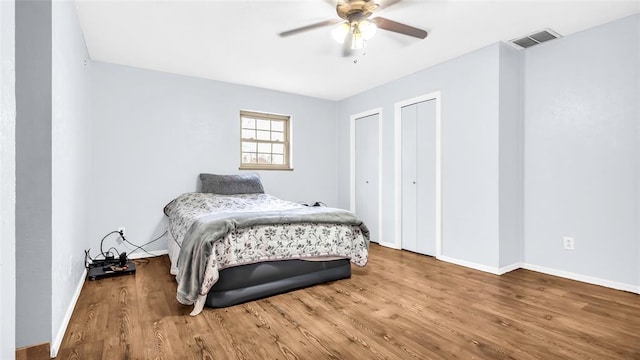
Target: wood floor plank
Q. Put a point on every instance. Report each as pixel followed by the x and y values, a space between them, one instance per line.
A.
pixel 435 318
pixel 400 306
pixel 320 313
pixel 308 341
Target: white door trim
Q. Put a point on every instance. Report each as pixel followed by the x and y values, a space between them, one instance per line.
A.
pixel 436 95
pixel 7 180
pixel 352 164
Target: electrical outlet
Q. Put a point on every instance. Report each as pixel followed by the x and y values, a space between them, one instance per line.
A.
pixel 568 243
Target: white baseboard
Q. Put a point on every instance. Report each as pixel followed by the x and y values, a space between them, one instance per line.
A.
pixel 389 245
pixel 544 270
pixel 509 268
pixel 153 253
pixel 583 278
pixel 470 264
pixel 55 345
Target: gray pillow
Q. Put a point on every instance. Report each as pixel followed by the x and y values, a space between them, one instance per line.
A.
pixel 231 184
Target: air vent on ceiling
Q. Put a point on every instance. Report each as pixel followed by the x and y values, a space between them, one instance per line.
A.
pixel 534 39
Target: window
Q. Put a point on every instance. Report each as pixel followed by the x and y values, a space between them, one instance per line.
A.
pixel 264 141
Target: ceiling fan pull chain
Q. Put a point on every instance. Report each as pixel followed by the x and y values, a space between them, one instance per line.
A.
pixel 364 52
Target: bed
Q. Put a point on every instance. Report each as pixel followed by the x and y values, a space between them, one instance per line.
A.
pixel 230 243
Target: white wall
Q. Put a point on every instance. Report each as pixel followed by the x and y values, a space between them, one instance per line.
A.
pixel 153 133
pixel 7 180
pixel 511 156
pixel 470 164
pixel 33 172
pixel 582 152
pixel 71 164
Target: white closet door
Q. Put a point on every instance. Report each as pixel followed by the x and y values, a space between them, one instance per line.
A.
pixel 366 172
pixel 426 176
pixel 409 180
pixel 418 178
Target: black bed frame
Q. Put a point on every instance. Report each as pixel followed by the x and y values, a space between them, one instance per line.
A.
pixel 244 283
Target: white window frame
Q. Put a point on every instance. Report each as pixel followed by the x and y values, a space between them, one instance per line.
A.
pixel 286 142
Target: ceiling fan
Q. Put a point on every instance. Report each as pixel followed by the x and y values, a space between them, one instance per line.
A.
pixel 355 25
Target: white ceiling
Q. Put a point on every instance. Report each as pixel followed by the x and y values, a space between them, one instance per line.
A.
pixel 238 42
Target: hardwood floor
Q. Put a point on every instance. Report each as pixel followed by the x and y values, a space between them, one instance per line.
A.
pixel 35 352
pixel 400 306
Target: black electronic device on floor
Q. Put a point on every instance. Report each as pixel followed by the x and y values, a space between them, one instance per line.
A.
pixel 102 269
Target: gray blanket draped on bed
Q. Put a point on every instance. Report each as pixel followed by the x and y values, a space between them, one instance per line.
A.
pixel 199 239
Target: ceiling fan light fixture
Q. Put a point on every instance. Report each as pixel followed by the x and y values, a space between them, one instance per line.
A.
pixel 355 25
pixel 367 28
pixel 357 41
pixel 341 31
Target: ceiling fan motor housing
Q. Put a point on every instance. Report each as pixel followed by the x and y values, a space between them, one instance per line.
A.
pixel 356 10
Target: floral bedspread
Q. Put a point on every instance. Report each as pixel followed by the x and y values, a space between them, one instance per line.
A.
pixel 187 208
pixel 252 228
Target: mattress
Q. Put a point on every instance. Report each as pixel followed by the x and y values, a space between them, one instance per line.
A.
pixel 249 282
pixel 273 245
pixel 254 281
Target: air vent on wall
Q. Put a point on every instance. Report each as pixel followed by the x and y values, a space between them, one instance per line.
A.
pixel 534 39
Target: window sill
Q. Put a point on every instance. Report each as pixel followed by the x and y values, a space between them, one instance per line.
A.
pixel 264 168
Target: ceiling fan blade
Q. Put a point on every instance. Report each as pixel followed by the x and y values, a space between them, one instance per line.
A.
pixel 310 27
pixel 390 25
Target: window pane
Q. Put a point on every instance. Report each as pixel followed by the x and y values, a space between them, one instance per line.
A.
pixel 264 158
pixel 264 135
pixel 277 125
pixel 264 124
pixel 248 158
pixel 248 146
pixel 277 136
pixel 248 134
pixel 264 147
pixel 248 123
pixel 278 148
pixel 263 140
pixel 278 159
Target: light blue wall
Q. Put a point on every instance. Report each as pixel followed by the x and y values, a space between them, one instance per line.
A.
pixel 153 133
pixel 52 168
pixel 582 97
pixel 557 122
pixel 470 165
pixel 511 156
pixel 33 172
pixel 70 153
